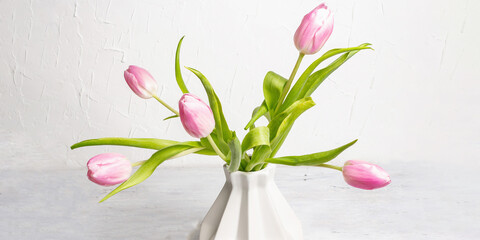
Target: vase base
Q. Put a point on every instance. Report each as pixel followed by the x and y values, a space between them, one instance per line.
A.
pixel 250 207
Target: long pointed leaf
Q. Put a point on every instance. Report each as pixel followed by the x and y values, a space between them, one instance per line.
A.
pixel 294 93
pixel 278 130
pixel 318 77
pixel 220 123
pixel 149 143
pixel 178 70
pixel 227 134
pixel 278 120
pixel 147 168
pixel 286 125
pixel 310 159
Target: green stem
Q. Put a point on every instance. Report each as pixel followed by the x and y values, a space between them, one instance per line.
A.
pixel 165 104
pixel 289 82
pixel 138 163
pixel 215 148
pixel 329 166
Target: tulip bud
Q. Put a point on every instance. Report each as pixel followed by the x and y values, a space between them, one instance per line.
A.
pixel 365 175
pixel 314 30
pixel 108 169
pixel 140 81
pixel 196 116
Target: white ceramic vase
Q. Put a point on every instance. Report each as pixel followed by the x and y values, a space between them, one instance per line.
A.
pixel 250 207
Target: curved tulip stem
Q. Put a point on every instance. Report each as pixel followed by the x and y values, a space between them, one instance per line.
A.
pixel 289 82
pixel 165 104
pixel 215 148
pixel 330 166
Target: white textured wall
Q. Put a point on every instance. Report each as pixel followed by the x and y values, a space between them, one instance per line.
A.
pixel 415 98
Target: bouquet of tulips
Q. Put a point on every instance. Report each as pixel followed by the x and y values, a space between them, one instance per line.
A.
pixel 282 105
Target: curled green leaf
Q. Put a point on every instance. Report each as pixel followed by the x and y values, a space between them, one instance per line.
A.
pixel 256 137
pixel 272 89
pixel 260 153
pixel 257 113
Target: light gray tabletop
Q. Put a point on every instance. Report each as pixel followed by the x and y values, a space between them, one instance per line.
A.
pixel 423 202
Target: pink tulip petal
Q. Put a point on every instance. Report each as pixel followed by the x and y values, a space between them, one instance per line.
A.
pixel 314 31
pixel 196 116
pixel 109 169
pixel 140 81
pixel 364 175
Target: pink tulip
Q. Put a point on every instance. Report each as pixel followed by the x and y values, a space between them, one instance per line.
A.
pixel 196 116
pixel 365 175
pixel 314 30
pixel 140 81
pixel 108 169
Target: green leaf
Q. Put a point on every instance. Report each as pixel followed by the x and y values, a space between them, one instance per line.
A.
pixel 272 89
pixel 173 116
pixel 259 155
pixel 257 113
pixel 147 168
pixel 310 159
pixel 318 77
pixel 278 120
pixel 149 143
pixel 221 126
pixel 178 71
pixel 259 139
pixel 235 153
pixel 279 128
pixel 256 137
pixel 227 134
pixel 294 93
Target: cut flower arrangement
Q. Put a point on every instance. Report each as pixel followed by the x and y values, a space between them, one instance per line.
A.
pixel 284 101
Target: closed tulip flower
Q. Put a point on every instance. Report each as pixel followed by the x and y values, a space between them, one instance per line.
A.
pixel 196 116
pixel 109 169
pixel 140 81
pixel 365 175
pixel 314 30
